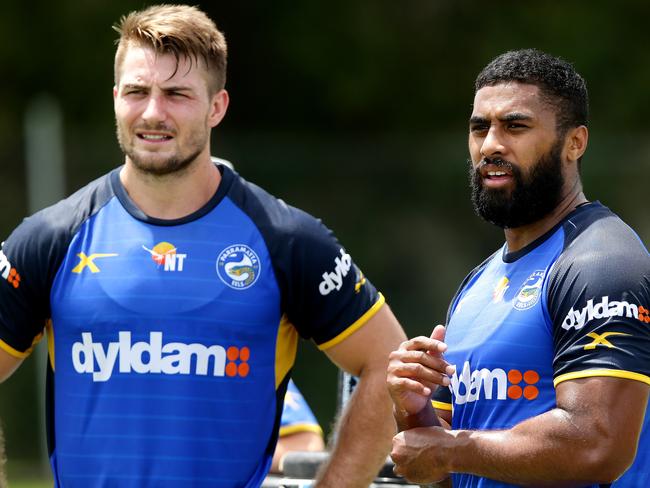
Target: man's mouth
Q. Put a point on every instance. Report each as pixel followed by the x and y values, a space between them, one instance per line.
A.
pixel 495 173
pixel 153 137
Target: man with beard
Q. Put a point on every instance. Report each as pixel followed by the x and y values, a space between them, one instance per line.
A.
pixel 173 293
pixel 541 374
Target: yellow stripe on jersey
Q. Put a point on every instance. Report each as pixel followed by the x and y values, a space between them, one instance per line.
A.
pixel 50 342
pixel 356 325
pixel 295 428
pixel 441 405
pixel 285 349
pixel 589 373
pixel 18 354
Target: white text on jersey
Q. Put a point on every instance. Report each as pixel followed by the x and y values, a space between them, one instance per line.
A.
pixel 603 309
pixel 145 357
pixel 472 382
pixel 334 280
pixel 5 266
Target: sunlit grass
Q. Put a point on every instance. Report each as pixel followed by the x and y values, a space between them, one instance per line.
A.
pixel 30 484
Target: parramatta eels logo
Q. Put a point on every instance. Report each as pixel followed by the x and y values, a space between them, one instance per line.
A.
pixel 238 266
pixel 530 291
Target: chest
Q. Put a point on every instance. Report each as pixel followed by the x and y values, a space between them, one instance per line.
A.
pixel 119 271
pixel 500 339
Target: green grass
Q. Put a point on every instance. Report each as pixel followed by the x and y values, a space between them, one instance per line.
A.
pixel 28 474
pixel 30 484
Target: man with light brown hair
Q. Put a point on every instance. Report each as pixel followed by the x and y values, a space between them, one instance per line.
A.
pixel 174 294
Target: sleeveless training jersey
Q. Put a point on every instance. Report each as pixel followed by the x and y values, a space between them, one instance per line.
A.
pixel 572 304
pixel 171 342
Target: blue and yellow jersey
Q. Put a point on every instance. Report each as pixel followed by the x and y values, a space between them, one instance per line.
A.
pixel 572 304
pixel 296 414
pixel 171 342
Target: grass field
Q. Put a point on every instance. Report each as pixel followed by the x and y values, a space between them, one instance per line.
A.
pixel 26 474
pixel 30 484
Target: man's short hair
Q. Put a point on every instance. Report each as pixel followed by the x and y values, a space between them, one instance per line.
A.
pixel 558 81
pixel 180 30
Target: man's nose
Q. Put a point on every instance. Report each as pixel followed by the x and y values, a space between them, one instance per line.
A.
pixel 493 144
pixel 154 110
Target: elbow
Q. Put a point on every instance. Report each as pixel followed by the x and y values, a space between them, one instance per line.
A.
pixel 605 462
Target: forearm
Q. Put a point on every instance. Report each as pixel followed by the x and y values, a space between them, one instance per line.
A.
pixel 424 418
pixel 548 450
pixel 363 437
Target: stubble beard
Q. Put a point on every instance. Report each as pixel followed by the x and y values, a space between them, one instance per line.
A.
pixel 533 197
pixel 152 164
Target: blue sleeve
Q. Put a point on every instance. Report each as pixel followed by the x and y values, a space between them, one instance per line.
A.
pixel 328 296
pixel 28 262
pixel 31 257
pixel 324 293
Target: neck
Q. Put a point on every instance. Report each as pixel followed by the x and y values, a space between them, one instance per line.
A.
pixel 174 195
pixel 520 237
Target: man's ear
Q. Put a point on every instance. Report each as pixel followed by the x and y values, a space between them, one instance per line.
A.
pixel 576 142
pixel 219 105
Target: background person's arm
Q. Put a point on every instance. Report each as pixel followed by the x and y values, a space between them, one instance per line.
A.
pixel 298 441
pixel 590 438
pixel 365 428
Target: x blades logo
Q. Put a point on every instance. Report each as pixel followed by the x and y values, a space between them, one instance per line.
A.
pixel 601 339
pixel 88 261
pixel 361 280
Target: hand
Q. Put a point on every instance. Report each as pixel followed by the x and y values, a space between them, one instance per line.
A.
pixel 418 454
pixel 416 369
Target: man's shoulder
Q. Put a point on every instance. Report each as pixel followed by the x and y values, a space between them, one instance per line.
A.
pixel 271 213
pixel 595 231
pixel 58 222
pixel 601 252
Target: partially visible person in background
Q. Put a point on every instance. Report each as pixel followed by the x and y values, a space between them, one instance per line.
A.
pixel 299 429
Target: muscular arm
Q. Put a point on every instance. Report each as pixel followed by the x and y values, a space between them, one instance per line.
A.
pixel 366 427
pixel 590 437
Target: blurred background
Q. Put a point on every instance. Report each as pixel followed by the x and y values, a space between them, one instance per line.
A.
pixel 355 111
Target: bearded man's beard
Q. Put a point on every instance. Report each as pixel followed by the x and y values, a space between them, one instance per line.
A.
pixel 533 197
